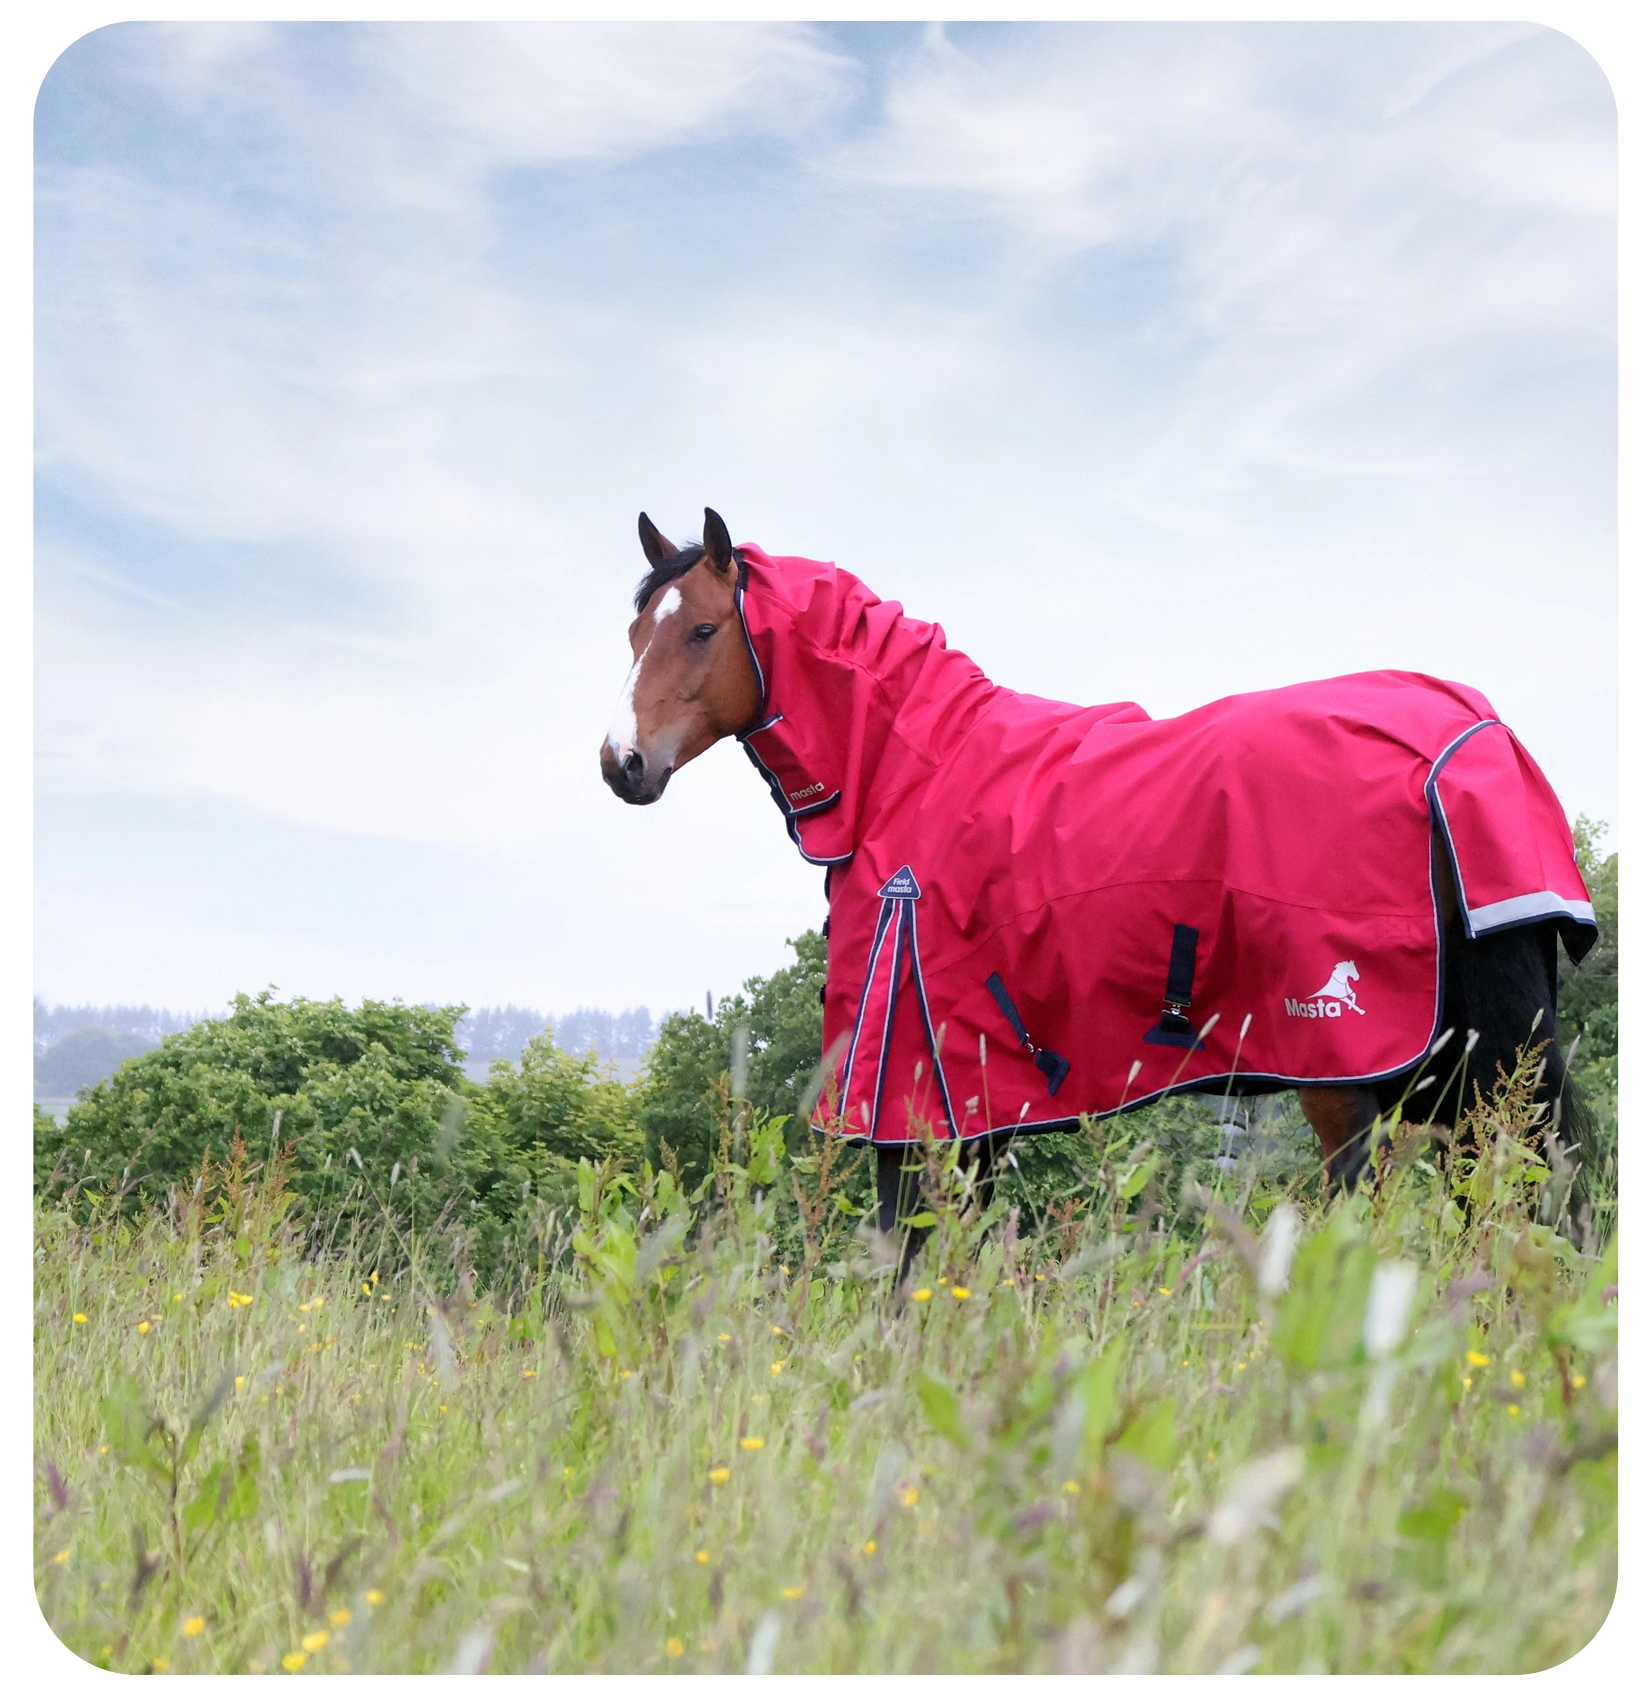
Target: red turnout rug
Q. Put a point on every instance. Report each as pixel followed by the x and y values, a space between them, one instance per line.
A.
pixel 1039 910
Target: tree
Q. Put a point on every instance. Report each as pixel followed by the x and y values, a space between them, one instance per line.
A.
pixel 678 1102
pixel 1588 993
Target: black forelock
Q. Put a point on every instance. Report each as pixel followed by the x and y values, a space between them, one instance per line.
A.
pixel 670 569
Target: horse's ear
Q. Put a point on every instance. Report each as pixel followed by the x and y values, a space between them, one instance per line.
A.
pixel 717 544
pixel 653 543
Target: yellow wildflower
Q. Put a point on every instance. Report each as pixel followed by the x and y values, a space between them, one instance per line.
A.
pixel 1518 1377
pixel 193 1627
pixel 1580 1381
pixel 701 1556
pixel 79 1316
pixel 911 1497
pixel 870 1546
pixel 674 1648
pixel 160 1664
pixel 719 1474
pixel 1468 1381
pixel 722 1337
pixel 622 1376
pixel 961 1292
pixel 142 1328
pixel 178 1297
pixel 1478 1359
pixel 922 1294
pixel 1166 1290
pixel 774 1327
pixel 104 1448
pixel 942 1280
pixel 340 1617
pixel 1073 1488
pixel 376 1597
pixel 793 1592
pixel 750 1444
pixel 525 1373
pixel 316 1641
pixel 1514 1411
pixel 240 1381
pixel 777 1366
pixel 62 1559
pixel 294 1661
pixel 1039 1277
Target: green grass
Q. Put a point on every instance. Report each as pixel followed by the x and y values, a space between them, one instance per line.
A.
pixel 679 1446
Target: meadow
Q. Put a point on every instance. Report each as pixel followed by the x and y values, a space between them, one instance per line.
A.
pixel 1217 1422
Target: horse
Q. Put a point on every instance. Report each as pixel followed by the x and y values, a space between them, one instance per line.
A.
pixel 812 674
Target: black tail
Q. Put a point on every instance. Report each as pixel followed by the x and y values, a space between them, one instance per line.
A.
pixel 1501 996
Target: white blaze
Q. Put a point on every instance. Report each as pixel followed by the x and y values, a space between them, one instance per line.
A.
pixel 624 732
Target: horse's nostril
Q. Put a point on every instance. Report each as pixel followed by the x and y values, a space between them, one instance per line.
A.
pixel 634 767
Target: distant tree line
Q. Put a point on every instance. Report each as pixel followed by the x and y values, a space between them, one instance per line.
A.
pixel 75 1047
pixel 500 1034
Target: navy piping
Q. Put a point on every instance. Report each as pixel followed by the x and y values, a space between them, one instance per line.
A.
pixel 1437 813
pixel 1431 790
pixel 790 816
pixel 817 806
pixel 891 1016
pixel 931 1035
pixel 863 1005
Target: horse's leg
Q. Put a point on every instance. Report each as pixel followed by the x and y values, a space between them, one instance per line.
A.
pixel 897 1189
pixel 986 1153
pixel 1342 1117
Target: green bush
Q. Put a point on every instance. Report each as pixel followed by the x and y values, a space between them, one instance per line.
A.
pixel 360 1096
pixel 1588 993
pixel 368 1110
pixel 679 1104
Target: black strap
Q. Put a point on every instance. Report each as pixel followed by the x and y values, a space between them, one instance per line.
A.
pixel 1180 974
pixel 1050 1063
pixel 1172 1027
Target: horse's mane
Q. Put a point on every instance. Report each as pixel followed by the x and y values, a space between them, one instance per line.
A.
pixel 671 569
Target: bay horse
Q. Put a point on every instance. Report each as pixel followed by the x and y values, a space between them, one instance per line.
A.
pixel 995 862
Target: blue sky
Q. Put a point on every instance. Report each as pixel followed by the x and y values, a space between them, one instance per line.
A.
pixel 1156 362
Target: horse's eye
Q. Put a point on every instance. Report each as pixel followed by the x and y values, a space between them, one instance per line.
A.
pixel 703 632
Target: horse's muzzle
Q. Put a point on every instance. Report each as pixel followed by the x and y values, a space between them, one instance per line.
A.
pixel 627 776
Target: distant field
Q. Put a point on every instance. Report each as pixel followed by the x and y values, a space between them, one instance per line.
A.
pixel 1145 1443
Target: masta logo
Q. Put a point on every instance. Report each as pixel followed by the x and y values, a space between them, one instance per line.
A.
pixel 1329 1002
pixel 807 793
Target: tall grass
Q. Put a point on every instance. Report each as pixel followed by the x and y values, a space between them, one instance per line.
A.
pixel 1222 1425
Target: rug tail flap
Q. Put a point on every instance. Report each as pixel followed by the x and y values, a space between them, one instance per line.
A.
pixel 1510 844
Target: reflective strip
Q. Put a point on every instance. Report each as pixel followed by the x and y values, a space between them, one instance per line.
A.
pixel 1539 905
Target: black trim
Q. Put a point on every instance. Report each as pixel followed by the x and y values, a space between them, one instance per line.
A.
pixel 764 721
pixel 863 1008
pixel 931 1034
pixel 898 935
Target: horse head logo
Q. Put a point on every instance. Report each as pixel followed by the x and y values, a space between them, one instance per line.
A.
pixel 1338 988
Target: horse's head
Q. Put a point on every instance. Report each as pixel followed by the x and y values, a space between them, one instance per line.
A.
pixel 692 681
